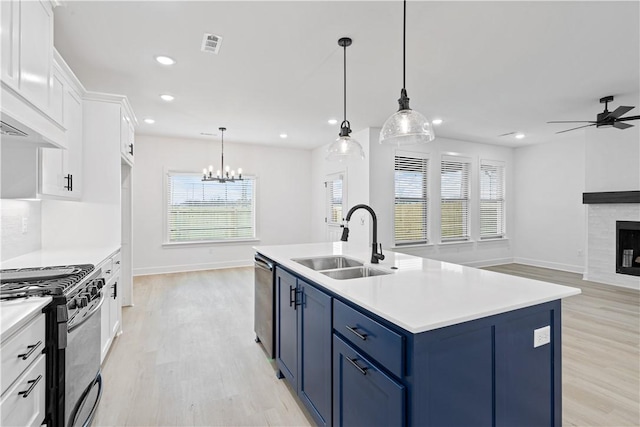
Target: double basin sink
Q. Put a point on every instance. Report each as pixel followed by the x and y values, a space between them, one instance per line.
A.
pixel 340 267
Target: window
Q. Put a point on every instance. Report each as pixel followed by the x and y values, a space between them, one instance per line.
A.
pixel 411 225
pixel 209 211
pixel 454 192
pixel 334 186
pixel 492 219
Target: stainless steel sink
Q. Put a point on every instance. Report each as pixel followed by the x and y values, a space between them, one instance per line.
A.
pixel 354 273
pixel 328 262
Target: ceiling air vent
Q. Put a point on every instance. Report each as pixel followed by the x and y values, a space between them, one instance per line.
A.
pixel 7 129
pixel 211 43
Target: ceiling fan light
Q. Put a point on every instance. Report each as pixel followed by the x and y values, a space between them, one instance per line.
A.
pixel 406 127
pixel 343 148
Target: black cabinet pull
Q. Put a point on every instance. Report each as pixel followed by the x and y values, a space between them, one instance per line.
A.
pixel 292 296
pixel 69 185
pixel 31 387
pixel 115 290
pixel 131 149
pixel 363 337
pixel 31 349
pixel 363 371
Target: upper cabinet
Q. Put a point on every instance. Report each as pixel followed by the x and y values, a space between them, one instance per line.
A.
pixel 61 170
pixel 29 87
pixel 127 135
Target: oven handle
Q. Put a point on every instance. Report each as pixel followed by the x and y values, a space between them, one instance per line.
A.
pixel 83 399
pixel 87 316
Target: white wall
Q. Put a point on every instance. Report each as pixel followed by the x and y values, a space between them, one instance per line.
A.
pixel 613 155
pixel 283 201
pixel 357 182
pixel 550 216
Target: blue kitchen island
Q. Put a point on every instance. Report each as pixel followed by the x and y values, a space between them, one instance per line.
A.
pixel 417 342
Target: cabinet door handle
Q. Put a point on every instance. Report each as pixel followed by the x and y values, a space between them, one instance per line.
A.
pixel 363 337
pixel 31 387
pixel 69 185
pixel 363 371
pixel 131 149
pixel 31 349
pixel 115 290
pixel 292 297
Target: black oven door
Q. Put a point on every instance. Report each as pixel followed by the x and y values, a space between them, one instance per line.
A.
pixel 83 383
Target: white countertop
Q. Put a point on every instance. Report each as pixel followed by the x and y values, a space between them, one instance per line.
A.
pixel 422 294
pixel 14 314
pixel 46 258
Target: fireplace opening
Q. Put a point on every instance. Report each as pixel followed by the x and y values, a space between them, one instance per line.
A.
pixel 628 247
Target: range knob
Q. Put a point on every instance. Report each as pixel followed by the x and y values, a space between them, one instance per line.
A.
pixel 93 290
pixel 82 301
pixel 99 283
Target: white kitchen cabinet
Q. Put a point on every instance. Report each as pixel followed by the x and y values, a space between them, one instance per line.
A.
pixel 112 306
pixel 23 375
pixel 61 170
pixel 30 89
pixel 127 136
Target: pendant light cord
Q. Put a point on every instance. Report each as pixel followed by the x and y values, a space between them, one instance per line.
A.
pixel 345 83
pixel 404 46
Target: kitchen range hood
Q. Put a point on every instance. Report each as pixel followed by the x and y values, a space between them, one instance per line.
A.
pixel 12 131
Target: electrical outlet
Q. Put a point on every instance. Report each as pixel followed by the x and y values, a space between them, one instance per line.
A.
pixel 25 224
pixel 541 336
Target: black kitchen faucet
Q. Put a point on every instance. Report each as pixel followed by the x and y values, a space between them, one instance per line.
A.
pixel 375 255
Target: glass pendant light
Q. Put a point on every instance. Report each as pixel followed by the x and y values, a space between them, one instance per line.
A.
pixel 406 126
pixel 344 147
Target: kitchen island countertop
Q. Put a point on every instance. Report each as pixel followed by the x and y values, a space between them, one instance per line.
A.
pixel 422 294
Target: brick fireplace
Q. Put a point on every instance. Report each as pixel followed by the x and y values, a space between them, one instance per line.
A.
pixel 607 214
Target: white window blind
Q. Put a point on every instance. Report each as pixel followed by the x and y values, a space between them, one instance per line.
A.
pixel 492 218
pixel 411 206
pixel 334 199
pixel 454 193
pixel 209 211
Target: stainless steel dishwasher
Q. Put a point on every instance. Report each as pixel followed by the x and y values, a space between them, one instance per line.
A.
pixel 264 311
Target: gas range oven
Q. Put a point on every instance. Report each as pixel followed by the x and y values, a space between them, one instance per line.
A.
pixel 74 383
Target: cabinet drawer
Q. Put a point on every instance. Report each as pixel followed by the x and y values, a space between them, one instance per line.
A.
pixel 378 341
pixel 24 403
pixel 19 351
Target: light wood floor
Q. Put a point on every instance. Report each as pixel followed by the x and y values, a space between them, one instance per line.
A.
pixel 188 357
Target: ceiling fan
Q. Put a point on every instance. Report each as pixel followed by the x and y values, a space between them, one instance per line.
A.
pixel 606 118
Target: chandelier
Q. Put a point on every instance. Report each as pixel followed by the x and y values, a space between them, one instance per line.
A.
pixel 229 174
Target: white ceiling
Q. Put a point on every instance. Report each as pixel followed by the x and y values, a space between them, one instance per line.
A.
pixel 486 68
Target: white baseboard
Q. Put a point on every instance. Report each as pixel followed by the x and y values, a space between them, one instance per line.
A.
pixel 145 271
pixel 552 265
pixel 488 262
pixel 629 282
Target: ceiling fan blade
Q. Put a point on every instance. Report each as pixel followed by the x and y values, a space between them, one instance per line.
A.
pixel 620 111
pixel 579 127
pixel 621 125
pixel 573 121
pixel 624 119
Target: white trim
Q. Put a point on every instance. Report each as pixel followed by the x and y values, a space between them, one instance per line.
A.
pixel 166 269
pixel 548 264
pixel 456 242
pixel 488 262
pixel 208 243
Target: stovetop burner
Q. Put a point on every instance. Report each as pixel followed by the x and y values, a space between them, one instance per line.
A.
pixel 55 280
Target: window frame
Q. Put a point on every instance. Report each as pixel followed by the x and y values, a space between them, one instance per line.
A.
pixel 469 198
pixel 503 219
pixel 426 158
pixel 198 175
pixel 337 176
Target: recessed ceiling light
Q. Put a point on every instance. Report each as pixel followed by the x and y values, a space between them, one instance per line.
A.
pixel 167 97
pixel 149 121
pixel 283 135
pixel 437 121
pixel 165 60
pixel 333 121
pixel 519 135
pixel 206 134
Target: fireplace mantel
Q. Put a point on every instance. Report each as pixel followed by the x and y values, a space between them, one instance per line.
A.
pixel 611 197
